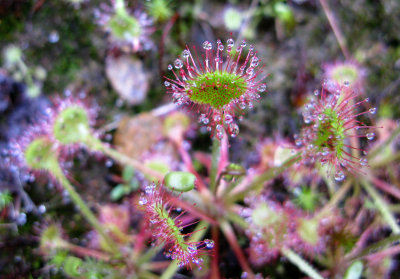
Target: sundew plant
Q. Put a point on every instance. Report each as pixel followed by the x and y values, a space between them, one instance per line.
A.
pixel 199 139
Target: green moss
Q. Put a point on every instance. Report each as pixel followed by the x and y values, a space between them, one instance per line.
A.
pixel 216 88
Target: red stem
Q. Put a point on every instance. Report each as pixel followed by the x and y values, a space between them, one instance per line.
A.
pixel 231 237
pixel 385 187
pixel 215 259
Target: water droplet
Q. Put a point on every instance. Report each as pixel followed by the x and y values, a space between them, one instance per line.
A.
pixel 149 189
pixel 363 161
pixel 316 92
pixel 244 275
pixel 243 44
pixel 221 47
pixel 170 67
pixel 234 130
pixel 166 83
pixel 242 105
pixel 178 63
pixel 207 45
pixel 325 152
pixel 262 87
pixel 205 120
pixel 228 118
pixel 217 118
pixel 230 43
pixel 250 71
pixel 220 135
pixel 192 248
pixel 209 243
pixel 370 136
pixel 21 219
pixel 185 54
pixel 339 176
pixel 254 61
pixel 307 119
pixel 53 37
pixel 372 110
pixel 367 100
pixel 143 200
pixel 42 209
pixel 109 163
pixel 346 83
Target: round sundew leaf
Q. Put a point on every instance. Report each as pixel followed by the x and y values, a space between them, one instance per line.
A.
pixel 216 88
pixel 40 154
pixel 72 266
pixel 354 271
pixel 72 125
pixel 308 230
pixel 180 181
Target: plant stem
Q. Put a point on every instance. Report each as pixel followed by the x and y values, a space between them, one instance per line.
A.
pixel 174 267
pixel 231 237
pixel 123 159
pixel 301 263
pixel 382 206
pixel 86 212
pixel 335 28
pixel 215 156
pixel 334 200
pixel 257 182
pixel 378 150
pixel 374 247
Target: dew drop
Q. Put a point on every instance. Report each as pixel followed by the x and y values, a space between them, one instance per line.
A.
pixel 205 120
pixel 228 118
pixel 42 209
pixel 209 243
pixel 242 105
pixel 250 71
pixel 178 63
pixel 370 136
pixel 185 54
pixel 109 163
pixel 192 248
pixel 325 152
pixel 170 67
pixel 207 45
pixel 220 135
pixel 339 176
pixel 262 87
pixel 142 200
pixel 254 61
pixel 346 83
pixel 166 83
pixel 21 219
pixel 230 43
pixel 243 44
pixel 363 161
pixel 221 47
pixel 234 130
pixel 217 118
pixel 316 92
pixel 372 110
